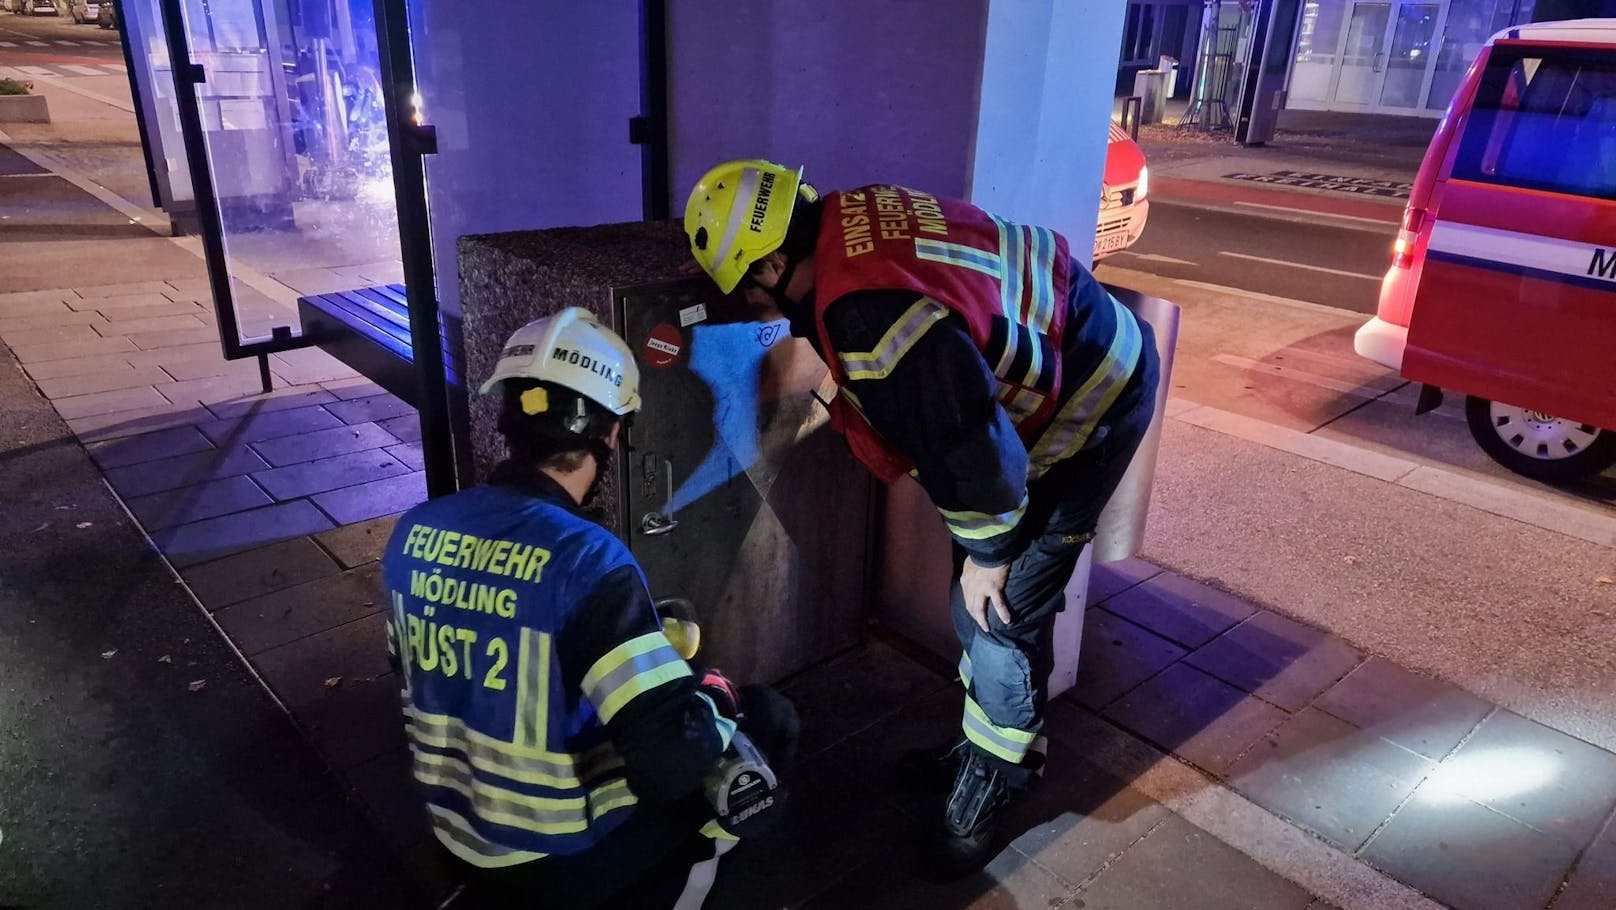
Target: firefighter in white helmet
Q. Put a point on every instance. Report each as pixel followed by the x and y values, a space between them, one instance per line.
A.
pixel 559 739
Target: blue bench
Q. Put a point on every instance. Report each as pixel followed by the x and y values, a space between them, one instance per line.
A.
pixel 369 330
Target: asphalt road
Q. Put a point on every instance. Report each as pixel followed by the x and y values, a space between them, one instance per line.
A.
pixel 1321 259
pixel 56 45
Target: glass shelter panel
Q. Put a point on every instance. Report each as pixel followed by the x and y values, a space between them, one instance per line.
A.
pixel 1317 44
pixel 142 24
pixel 531 117
pixel 1364 55
pixel 1469 24
pixel 296 142
pixel 1410 54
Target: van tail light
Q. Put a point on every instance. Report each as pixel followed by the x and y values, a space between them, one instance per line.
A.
pixel 1407 236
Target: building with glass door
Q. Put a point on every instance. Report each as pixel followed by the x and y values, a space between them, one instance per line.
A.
pixel 1391 56
pixel 1153 29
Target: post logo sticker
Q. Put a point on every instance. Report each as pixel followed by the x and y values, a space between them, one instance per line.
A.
pixel 663 346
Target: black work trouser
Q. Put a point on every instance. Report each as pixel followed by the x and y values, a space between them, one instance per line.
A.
pixel 643 865
pixel 1006 669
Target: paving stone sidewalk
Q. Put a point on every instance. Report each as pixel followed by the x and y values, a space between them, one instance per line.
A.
pixel 208 463
pixel 144 765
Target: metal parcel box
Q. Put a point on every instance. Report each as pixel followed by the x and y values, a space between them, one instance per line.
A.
pixel 773 515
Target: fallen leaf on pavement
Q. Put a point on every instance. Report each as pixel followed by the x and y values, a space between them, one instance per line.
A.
pixel 107 655
pixel 83 524
pixel 1351 560
pixel 1604 580
pixel 165 659
pixel 197 685
pixel 333 682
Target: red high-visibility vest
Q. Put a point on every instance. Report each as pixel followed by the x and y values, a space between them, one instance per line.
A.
pixel 1008 283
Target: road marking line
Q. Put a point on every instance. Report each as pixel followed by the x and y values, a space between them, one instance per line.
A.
pixel 1300 265
pixel 37 44
pixel 82 70
pixel 1281 213
pixel 38 71
pixel 1157 257
pixel 1267 298
pixel 8 44
pixel 1386 223
pixel 1357 389
pixel 1539 509
pixel 1223 813
pixel 69 43
pixel 117 69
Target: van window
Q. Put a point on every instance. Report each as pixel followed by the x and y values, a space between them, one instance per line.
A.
pixel 1544 119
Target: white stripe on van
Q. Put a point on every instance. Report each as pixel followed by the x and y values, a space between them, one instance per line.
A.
pixel 1531 251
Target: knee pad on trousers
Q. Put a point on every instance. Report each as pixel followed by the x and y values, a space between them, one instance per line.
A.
pixel 1002 683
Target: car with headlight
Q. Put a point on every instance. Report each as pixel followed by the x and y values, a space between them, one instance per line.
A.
pixel 1123 206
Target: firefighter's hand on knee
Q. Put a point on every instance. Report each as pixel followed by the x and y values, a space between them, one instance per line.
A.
pixel 983 586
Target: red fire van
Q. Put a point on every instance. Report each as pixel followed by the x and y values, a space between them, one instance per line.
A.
pixel 1503 283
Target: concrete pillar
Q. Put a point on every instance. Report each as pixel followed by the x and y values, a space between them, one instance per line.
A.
pixel 531 106
pixel 1048 68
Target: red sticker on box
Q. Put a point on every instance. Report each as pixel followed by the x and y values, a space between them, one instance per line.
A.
pixel 662 348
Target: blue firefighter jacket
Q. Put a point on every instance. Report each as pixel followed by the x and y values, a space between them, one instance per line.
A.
pixel 542 702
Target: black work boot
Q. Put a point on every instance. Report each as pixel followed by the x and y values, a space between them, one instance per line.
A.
pixel 984 788
pixel 933 768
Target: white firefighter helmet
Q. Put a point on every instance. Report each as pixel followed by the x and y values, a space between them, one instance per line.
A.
pixel 572 349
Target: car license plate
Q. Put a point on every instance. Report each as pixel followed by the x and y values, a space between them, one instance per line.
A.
pixel 1110 243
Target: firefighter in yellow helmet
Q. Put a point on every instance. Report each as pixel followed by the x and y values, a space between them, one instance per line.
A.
pixel 563 745
pixel 978 356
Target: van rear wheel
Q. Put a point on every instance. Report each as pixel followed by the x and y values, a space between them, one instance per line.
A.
pixel 1537 445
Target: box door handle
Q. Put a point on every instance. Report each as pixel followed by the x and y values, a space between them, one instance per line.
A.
pixel 655 523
